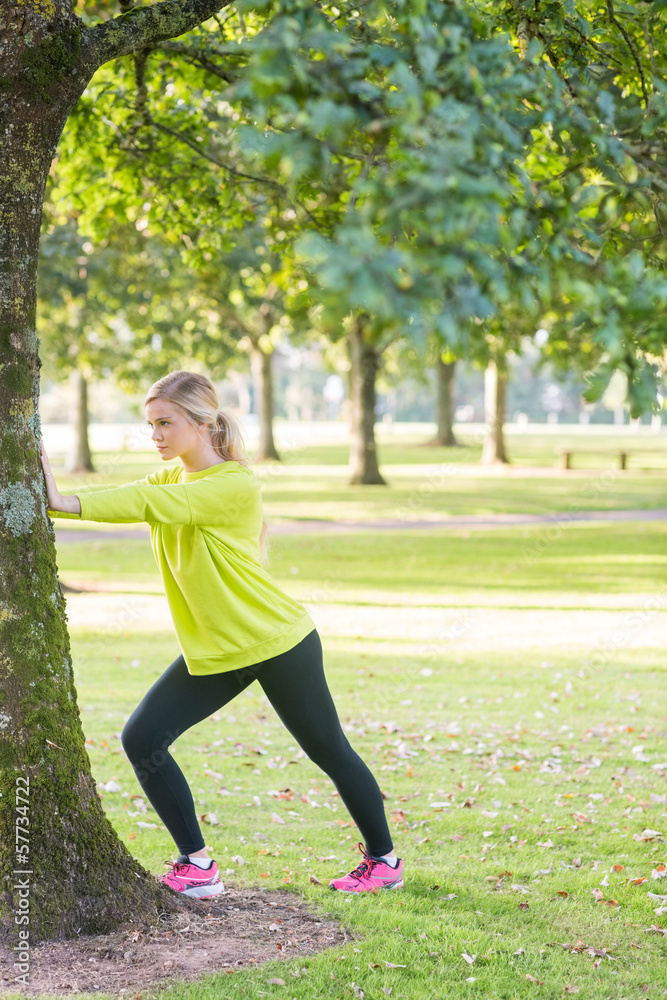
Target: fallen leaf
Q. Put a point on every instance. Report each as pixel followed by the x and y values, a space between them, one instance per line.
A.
pixel 470 959
pixel 532 979
pixel 561 892
pixel 521 951
pixel 276 982
pixel 524 906
pixel 598 895
pixel 571 989
pixel 313 879
pixel 638 881
pixel 275 818
pixel 387 990
pixel 391 965
pixel 618 868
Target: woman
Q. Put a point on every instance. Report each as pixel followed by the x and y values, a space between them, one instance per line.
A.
pixel 233 623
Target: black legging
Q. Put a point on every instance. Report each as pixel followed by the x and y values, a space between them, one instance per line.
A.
pixel 295 685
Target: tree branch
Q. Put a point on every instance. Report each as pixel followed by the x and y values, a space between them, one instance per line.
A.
pixel 213 159
pixel 628 41
pixel 196 56
pixel 141 27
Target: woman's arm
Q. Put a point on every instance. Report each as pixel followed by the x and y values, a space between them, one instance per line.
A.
pixel 57 502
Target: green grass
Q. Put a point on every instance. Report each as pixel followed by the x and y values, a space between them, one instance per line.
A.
pixel 523 567
pixel 428 483
pixel 522 750
pixel 503 771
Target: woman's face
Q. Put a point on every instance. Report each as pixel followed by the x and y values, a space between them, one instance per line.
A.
pixel 173 434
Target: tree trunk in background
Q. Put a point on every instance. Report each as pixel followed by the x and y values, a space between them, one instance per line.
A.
pixel 445 404
pixel 364 366
pixel 262 373
pixel 79 458
pixel 495 386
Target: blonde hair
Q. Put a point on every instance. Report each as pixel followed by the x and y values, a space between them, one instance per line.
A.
pixel 197 398
pixel 195 395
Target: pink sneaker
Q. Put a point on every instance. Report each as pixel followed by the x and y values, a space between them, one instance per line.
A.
pixel 370 875
pixel 192 880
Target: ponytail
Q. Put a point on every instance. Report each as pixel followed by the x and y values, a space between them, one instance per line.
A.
pixel 227 437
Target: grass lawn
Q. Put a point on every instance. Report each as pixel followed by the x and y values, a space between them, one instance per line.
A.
pixel 519 567
pixel 430 483
pixel 524 786
pixel 518 786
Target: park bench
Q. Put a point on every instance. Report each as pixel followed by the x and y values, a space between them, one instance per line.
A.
pixel 566 454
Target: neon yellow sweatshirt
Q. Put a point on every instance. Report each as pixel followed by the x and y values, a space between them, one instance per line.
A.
pixel 227 610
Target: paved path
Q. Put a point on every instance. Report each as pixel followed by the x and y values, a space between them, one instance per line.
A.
pixel 451 523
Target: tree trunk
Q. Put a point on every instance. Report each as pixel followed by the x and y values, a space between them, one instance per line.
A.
pixel 79 458
pixel 63 870
pixel 445 405
pixel 261 363
pixel 495 385
pixel 364 366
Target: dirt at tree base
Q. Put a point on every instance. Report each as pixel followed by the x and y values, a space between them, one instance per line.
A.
pixel 238 929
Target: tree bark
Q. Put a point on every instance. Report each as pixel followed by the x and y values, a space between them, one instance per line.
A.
pixel 262 373
pixel 364 366
pixel 79 458
pixel 495 385
pixel 63 870
pixel 444 436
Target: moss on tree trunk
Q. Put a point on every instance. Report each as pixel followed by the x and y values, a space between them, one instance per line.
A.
pixel 75 876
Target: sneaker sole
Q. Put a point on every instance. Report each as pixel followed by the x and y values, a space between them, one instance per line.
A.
pixel 201 891
pixel 376 888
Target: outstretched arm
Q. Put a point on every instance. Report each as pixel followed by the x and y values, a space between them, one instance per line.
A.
pixel 57 502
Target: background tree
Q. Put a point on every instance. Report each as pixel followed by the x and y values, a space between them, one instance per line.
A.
pixel 612 291
pixel 78 295
pixel 445 371
pixel 337 126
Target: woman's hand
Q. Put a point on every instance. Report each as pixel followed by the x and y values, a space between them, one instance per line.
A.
pixel 67 505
